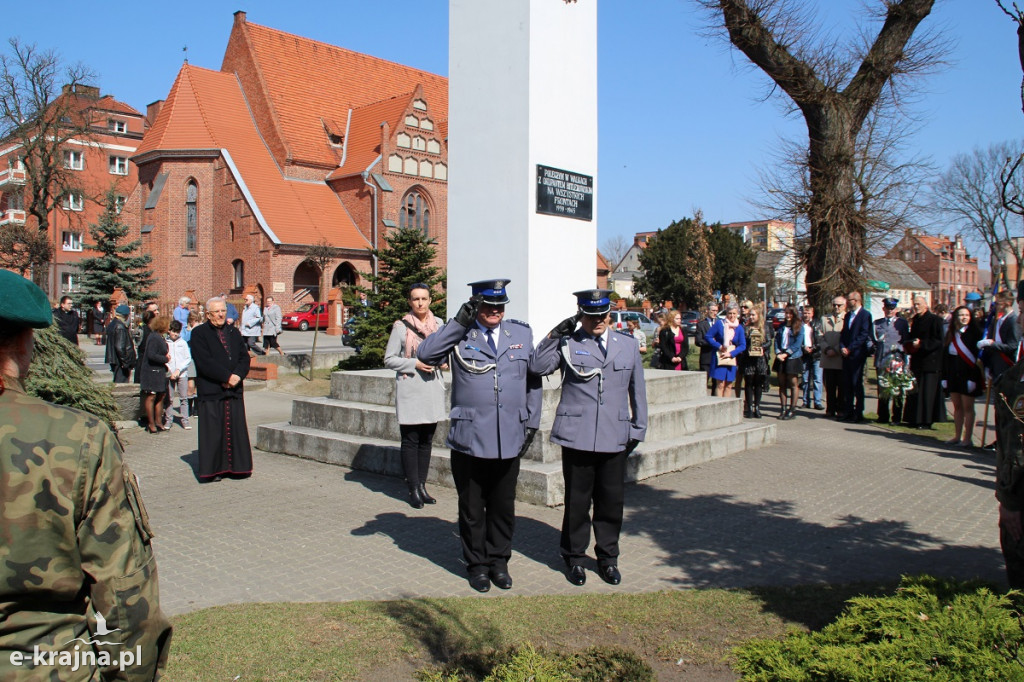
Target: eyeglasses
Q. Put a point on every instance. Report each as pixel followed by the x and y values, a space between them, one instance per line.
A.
pixel 745 307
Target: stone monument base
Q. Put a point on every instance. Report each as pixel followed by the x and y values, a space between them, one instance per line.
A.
pixel 356 427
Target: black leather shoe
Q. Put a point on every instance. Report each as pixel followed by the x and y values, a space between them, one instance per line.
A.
pixel 425 496
pixel 756 410
pixel 576 575
pixel 415 501
pixel 501 579
pixel 480 582
pixel 610 574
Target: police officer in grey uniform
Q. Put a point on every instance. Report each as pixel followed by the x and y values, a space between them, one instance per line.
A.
pixel 496 407
pixel 600 419
pixel 890 333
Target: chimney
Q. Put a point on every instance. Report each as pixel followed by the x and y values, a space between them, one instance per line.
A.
pixel 239 17
pixel 153 110
pixel 82 90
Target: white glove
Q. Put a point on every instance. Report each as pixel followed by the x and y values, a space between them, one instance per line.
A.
pixel 985 343
pixel 971 386
pixel 943 384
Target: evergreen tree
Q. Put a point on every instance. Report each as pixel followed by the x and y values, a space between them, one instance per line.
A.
pixel 677 264
pixel 118 265
pixel 59 375
pixel 734 260
pixel 405 261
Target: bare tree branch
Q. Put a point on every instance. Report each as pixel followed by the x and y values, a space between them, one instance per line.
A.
pixel 843 197
pixel 41 119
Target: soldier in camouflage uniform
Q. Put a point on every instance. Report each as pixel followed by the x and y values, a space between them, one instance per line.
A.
pixel 78 581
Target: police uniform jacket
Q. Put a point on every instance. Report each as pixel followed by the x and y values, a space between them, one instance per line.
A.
pixel 1001 355
pixel 890 335
pixel 600 414
pixel 494 400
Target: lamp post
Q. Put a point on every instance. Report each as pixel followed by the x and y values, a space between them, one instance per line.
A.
pixel 764 294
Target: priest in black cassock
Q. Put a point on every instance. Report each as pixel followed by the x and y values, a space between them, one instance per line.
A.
pixel 222 362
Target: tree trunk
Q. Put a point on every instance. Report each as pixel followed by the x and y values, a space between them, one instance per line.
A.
pixel 835 248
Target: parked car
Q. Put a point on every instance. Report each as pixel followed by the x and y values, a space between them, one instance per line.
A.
pixel 776 316
pixel 619 318
pixel 690 320
pixel 305 316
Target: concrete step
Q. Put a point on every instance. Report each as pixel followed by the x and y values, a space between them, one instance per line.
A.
pixel 377 387
pixel 539 482
pixel 665 422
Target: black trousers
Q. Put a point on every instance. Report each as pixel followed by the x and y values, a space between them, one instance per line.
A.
pixel 487 509
pixel 598 478
pixel 834 398
pixel 853 386
pixel 896 416
pixel 416 443
pixel 270 341
pixel 752 389
pixel 121 374
pixel 1013 554
pixel 252 343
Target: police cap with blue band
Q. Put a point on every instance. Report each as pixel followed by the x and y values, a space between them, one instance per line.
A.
pixel 890 302
pixel 22 303
pixel 593 301
pixel 491 290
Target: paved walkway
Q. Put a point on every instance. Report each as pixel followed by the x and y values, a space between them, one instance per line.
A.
pixel 828 503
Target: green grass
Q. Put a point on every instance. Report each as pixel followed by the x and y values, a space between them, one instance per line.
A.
pixel 671 630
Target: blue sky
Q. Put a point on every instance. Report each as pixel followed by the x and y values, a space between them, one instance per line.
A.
pixel 683 121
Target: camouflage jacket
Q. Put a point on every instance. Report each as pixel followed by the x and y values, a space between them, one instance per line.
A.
pixel 78 580
pixel 1008 396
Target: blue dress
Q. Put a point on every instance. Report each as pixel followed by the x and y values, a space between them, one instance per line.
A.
pixel 715 338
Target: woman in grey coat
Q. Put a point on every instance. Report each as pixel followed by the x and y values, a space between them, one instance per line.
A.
pixel 419 395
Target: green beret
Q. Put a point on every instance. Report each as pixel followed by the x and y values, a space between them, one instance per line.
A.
pixel 22 303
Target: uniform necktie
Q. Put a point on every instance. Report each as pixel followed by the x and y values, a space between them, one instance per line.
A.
pixel 490 341
pixel 600 345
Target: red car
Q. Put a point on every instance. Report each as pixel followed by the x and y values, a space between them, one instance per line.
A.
pixel 306 316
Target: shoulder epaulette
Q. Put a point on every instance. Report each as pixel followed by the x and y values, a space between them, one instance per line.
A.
pixel 624 332
pixel 519 322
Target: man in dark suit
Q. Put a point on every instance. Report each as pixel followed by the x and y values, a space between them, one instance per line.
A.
pixel 891 333
pixel 854 346
pixel 925 348
pixel 703 327
pixel 999 347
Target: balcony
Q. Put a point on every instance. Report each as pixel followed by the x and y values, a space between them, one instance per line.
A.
pixel 14 177
pixel 12 216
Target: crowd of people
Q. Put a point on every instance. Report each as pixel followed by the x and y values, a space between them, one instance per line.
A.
pixel 919 355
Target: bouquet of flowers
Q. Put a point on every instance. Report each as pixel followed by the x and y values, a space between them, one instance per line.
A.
pixel 895 379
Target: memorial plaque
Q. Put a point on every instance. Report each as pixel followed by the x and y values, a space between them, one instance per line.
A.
pixel 564 193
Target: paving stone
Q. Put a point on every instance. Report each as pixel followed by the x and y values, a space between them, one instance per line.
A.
pixel 828 502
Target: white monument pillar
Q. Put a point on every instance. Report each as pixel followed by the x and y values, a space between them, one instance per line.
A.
pixel 522 130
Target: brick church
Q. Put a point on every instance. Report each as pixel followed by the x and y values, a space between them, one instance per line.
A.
pixel 291 143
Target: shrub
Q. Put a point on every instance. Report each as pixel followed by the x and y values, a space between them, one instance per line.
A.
pixel 930 629
pixel 59 375
pixel 524 663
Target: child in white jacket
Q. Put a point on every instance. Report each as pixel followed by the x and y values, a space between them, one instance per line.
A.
pixel 177 375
